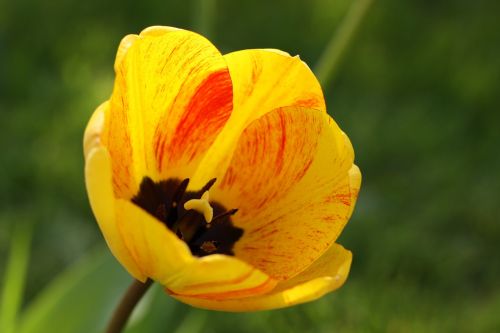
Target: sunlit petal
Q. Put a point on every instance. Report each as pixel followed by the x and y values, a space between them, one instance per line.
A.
pixel 94 129
pixel 221 277
pixel 172 96
pixel 160 254
pixel 263 80
pixel 328 273
pixel 100 189
pixel 289 179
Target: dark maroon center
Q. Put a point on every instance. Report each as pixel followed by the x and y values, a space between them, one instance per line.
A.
pixel 165 201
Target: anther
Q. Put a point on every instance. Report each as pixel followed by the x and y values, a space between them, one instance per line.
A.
pixel 209 246
pixel 161 212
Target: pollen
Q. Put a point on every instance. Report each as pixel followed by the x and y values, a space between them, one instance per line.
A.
pixel 209 246
pixel 202 206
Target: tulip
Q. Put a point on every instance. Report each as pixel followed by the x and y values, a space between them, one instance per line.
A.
pixel 221 177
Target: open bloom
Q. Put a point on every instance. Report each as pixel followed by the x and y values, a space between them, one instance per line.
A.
pixel 220 176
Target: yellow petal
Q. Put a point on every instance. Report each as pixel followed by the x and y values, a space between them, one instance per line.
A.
pixel 125 44
pixel 146 248
pixel 263 80
pixel 219 276
pixel 100 192
pixel 93 131
pixel 354 176
pixel 158 30
pixel 355 184
pixel 160 254
pixel 128 40
pixel 289 180
pixel 328 273
pixel 172 97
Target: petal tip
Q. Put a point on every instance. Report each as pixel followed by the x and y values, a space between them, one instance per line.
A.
pixel 278 51
pixel 124 46
pixel 157 30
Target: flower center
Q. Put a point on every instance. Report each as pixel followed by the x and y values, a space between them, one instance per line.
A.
pixel 204 225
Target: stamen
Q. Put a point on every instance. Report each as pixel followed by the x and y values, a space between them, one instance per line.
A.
pixel 167 199
pixel 202 206
pixel 208 185
pixel 179 193
pixel 230 212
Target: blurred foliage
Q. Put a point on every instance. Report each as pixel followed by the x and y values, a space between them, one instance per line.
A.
pixel 417 93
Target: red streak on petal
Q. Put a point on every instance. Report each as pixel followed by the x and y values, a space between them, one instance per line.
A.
pixel 266 286
pixel 303 172
pixel 280 155
pixel 206 113
pixel 312 102
pixel 268 234
pixel 237 280
pixel 344 198
pixel 204 117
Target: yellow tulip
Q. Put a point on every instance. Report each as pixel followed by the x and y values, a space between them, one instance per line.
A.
pixel 221 177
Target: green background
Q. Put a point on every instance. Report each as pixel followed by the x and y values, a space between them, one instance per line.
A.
pixel 417 92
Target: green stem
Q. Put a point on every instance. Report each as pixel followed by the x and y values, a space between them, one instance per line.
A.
pixel 127 304
pixel 328 62
pixel 204 17
pixel 15 276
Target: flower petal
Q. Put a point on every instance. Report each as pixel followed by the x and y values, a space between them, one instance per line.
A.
pixel 220 276
pixel 354 176
pixel 289 180
pixel 160 254
pixel 355 185
pixel 100 192
pixel 125 44
pixel 328 273
pixel 172 97
pixel 148 249
pixel 263 80
pixel 95 126
pixel 158 30
pixel 163 257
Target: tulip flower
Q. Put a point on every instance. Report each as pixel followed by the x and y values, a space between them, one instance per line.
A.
pixel 221 177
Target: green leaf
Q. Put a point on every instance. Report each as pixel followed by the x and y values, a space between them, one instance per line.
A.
pixel 338 44
pixel 80 300
pixel 15 276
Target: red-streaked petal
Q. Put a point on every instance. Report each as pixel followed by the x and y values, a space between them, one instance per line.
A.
pixel 263 80
pixel 172 97
pixel 289 178
pixel 220 277
pixel 328 273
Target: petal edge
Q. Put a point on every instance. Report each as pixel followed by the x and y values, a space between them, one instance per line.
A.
pixel 312 284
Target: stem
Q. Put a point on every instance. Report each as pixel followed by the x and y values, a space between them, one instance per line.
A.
pixel 328 62
pixel 204 17
pixel 127 304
